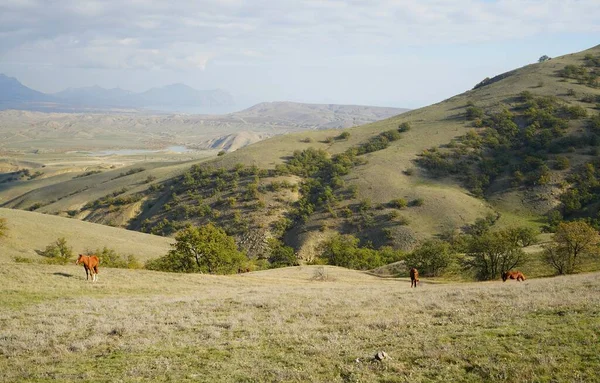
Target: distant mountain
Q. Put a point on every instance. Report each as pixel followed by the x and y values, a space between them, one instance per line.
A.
pixel 14 95
pixel 13 92
pixel 183 95
pixel 95 95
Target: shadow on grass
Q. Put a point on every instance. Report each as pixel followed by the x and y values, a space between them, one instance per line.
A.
pixel 64 275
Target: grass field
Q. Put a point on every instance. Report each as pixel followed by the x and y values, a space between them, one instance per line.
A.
pixel 285 326
pixel 30 231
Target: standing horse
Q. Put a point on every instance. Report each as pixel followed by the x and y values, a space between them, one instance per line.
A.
pixel 414 277
pixel 513 275
pixel 90 264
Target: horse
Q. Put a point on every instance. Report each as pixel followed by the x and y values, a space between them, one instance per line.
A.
pixel 414 277
pixel 90 264
pixel 519 276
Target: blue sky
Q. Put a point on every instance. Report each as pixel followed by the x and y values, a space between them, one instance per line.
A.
pixel 406 53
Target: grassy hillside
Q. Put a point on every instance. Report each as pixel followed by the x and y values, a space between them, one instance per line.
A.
pixel 363 192
pixel 284 325
pixel 390 186
pixel 30 231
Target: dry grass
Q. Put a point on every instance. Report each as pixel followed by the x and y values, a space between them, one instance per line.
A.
pixel 30 231
pixel 282 325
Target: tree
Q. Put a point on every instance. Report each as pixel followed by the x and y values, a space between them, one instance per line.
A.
pixel 58 251
pixel 204 249
pixel 573 243
pixel 543 59
pixel 3 227
pixel 281 255
pixel 492 254
pixel 431 258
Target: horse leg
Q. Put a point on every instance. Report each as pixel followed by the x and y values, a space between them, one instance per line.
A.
pixel 87 276
pixel 95 273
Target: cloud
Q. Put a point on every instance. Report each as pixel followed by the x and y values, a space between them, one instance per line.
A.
pixel 176 35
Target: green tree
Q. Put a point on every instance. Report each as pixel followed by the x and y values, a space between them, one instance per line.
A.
pixel 204 249
pixel 281 255
pixel 573 242
pixel 58 251
pixel 543 59
pixel 431 258
pixel 492 254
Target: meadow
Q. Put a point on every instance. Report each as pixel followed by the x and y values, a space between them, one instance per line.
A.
pixel 299 324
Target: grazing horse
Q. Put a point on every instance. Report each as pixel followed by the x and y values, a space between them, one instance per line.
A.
pixel 513 275
pixel 414 277
pixel 90 264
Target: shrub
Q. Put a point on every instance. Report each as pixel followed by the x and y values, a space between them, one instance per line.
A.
pixel 221 153
pixel 417 202
pixel 57 252
pixel 110 258
pixel 561 163
pixel 404 127
pixel 343 136
pixel 398 203
pixel 281 255
pixel 3 227
pixel 344 251
pixel 474 112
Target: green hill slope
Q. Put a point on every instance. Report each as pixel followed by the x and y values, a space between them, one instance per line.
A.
pixel 510 149
pixel 30 231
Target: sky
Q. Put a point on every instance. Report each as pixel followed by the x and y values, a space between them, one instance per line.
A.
pixel 401 53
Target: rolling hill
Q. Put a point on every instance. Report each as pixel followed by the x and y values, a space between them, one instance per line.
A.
pixel 362 194
pixel 495 151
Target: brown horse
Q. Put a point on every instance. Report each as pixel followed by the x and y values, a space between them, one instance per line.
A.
pixel 90 264
pixel 513 275
pixel 414 277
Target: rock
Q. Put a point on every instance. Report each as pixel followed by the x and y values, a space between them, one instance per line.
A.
pixel 381 355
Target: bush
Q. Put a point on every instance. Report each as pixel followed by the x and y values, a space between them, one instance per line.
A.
pixel 221 153
pixel 110 258
pixel 417 202
pixel 344 251
pixel 281 255
pixel 398 203
pixel 343 136
pixel 431 258
pixel 57 252
pixel 3 227
pixel 404 127
pixel 204 249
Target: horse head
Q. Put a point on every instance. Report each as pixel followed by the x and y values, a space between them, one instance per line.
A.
pixel 79 259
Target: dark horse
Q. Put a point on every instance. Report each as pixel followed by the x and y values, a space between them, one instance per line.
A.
pixel 414 277
pixel 90 264
pixel 513 275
